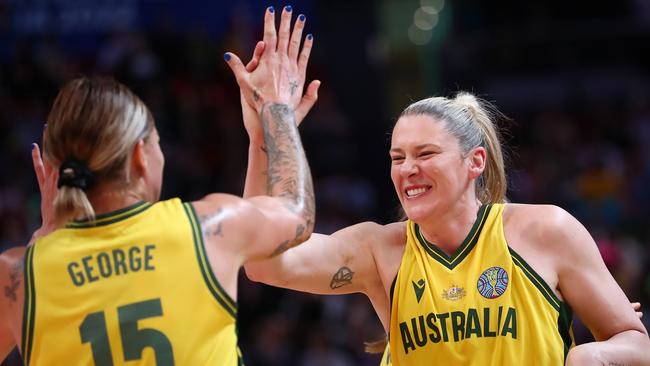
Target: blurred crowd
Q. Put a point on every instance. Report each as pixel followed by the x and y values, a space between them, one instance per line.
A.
pixel 588 154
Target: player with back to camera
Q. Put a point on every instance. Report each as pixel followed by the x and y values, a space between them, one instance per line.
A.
pixel 122 277
pixel 468 279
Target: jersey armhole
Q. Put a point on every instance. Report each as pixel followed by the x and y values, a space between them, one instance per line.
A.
pixel 211 281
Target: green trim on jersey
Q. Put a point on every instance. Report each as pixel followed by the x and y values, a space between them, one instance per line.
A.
pixel 465 248
pixel 565 318
pixel 110 217
pixel 536 279
pixel 564 325
pixel 29 305
pixel 210 279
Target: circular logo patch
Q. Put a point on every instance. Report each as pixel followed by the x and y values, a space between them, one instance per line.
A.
pixel 493 282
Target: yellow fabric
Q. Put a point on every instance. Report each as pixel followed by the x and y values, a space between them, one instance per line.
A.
pixel 135 288
pixel 482 306
pixel 386 357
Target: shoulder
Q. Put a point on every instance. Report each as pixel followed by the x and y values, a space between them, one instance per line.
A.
pixel 226 206
pixel 219 199
pixel 546 225
pixel 393 233
pixel 11 274
pixel 541 219
pixel 10 259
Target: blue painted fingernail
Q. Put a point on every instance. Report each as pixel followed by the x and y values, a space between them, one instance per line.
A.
pixel 226 56
pixel 310 37
pixel 271 10
pixel 45 127
pixel 302 17
pixel 288 8
pixel 33 146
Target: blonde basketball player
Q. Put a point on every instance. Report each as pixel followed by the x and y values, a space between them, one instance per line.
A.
pixel 468 279
pixel 127 279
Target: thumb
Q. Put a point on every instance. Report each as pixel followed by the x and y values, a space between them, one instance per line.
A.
pixel 236 66
pixel 307 101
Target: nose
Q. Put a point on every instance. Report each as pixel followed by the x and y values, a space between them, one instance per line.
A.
pixel 409 168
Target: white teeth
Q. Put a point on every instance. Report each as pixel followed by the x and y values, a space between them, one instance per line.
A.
pixel 415 192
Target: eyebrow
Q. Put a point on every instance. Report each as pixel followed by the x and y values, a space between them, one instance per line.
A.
pixel 418 147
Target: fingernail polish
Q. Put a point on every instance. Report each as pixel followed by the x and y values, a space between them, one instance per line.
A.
pixel 302 17
pixel 288 8
pixel 33 146
pixel 271 10
pixel 45 127
pixel 310 37
pixel 226 56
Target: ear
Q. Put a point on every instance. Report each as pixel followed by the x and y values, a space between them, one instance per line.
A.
pixel 477 159
pixel 138 159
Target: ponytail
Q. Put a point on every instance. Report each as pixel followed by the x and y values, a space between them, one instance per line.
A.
pixel 491 186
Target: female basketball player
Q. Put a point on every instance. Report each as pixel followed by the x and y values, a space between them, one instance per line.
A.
pixel 468 278
pixel 127 278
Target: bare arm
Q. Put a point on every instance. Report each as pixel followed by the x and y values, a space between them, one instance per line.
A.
pixel 11 299
pixel 287 212
pixel 344 262
pixel 587 285
pixel 256 174
pixel 340 263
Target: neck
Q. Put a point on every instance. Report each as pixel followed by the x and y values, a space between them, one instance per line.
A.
pixel 449 229
pixel 108 198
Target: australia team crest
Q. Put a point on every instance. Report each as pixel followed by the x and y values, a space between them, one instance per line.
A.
pixel 493 282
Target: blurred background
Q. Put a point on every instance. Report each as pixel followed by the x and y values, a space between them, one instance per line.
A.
pixel 574 78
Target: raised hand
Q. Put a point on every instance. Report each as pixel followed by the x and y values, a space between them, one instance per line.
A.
pixel 47 177
pixel 279 75
pixel 250 116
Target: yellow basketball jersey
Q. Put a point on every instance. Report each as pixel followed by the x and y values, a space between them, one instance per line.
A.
pixel 134 287
pixel 482 306
pixel 386 357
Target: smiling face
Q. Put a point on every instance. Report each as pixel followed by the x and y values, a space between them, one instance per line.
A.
pixel 429 171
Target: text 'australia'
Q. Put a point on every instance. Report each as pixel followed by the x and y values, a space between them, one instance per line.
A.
pixel 456 326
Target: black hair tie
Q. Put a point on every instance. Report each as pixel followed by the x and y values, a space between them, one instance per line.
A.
pixel 74 173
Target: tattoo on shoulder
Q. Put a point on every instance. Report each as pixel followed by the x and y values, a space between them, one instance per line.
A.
pixel 341 278
pixel 15 276
pixel 211 224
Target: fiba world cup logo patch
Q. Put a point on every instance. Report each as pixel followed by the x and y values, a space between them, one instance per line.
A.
pixel 492 283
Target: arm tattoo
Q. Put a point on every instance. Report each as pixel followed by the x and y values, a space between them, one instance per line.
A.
pixel 288 174
pixel 211 224
pixel 15 275
pixel 285 245
pixel 294 85
pixel 341 278
pixel 256 95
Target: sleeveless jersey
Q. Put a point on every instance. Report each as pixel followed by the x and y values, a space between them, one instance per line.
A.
pixel 484 305
pixel 133 287
pixel 386 357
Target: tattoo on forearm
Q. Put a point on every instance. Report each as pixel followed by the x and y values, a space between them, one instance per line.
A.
pixel 294 85
pixel 15 275
pixel 256 95
pixel 288 173
pixel 211 224
pixel 285 245
pixel 341 278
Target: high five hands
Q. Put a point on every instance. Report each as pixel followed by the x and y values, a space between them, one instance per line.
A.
pixel 276 74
